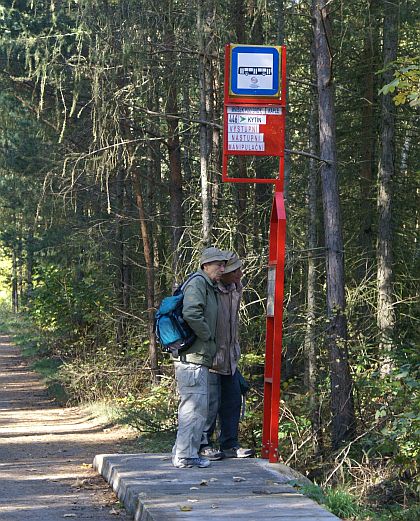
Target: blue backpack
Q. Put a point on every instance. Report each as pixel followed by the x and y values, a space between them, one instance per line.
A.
pixel 172 332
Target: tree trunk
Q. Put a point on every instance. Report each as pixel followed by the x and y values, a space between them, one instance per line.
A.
pixel 15 293
pixel 122 275
pixel 367 141
pixel 216 155
pixel 29 264
pixel 311 369
pixel 385 309
pixel 173 143
pixel 342 408
pixel 150 275
pixel 238 20
pixel 20 266
pixel 241 190
pixel 204 26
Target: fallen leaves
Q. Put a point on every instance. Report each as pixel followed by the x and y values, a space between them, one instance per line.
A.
pixel 80 483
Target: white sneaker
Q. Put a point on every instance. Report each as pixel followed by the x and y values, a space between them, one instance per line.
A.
pixel 184 463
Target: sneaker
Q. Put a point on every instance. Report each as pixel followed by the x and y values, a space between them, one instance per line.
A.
pixel 185 463
pixel 211 453
pixel 238 452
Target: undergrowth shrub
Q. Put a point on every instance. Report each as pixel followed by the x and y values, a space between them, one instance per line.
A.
pixel 104 375
pixel 154 410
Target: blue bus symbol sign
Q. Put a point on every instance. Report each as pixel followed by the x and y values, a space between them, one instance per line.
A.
pixel 255 71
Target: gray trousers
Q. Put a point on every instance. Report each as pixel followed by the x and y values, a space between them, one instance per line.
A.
pixel 192 383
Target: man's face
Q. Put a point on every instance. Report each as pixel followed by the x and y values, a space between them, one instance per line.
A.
pixel 232 277
pixel 214 270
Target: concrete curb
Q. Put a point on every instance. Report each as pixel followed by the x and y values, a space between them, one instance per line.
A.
pixel 151 489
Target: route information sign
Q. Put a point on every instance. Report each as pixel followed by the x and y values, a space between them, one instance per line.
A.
pixel 254 129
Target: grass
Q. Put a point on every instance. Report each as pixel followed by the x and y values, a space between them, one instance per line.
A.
pixel 21 329
pixel 349 507
pixel 345 505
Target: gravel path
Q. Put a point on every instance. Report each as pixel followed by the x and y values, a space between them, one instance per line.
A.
pixel 46 452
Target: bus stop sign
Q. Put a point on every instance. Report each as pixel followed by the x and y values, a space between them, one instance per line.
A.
pixel 255 71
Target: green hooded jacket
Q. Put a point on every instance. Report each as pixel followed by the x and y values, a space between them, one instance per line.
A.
pixel 200 312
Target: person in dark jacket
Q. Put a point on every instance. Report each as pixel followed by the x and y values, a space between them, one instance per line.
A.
pixel 192 366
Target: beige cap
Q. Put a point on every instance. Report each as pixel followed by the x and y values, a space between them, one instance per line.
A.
pixel 233 262
pixel 213 255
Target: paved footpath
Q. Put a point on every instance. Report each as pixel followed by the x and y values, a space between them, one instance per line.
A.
pixel 238 490
pixel 46 452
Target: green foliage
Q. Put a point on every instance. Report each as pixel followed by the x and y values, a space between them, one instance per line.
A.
pixel 406 83
pixel 83 98
pixel 25 334
pixel 64 302
pixel 155 410
pixel 398 418
pixel 339 501
pixel 345 506
pixel 156 442
pixel 397 513
pixel 311 490
pixel 47 367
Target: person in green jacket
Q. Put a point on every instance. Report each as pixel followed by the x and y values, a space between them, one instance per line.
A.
pixel 225 394
pixel 192 366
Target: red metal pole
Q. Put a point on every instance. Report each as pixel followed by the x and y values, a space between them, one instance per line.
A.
pixel 272 373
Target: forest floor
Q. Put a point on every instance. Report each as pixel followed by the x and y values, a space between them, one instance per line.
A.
pixel 46 451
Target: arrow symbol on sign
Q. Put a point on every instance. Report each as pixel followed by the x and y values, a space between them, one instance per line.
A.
pixel 243 118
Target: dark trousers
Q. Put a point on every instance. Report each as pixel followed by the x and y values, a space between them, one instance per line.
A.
pixel 229 413
pixel 229 410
